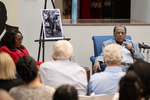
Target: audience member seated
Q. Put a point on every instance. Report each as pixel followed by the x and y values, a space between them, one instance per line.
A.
pixel 7 72
pixel 11 43
pixel 119 33
pixel 66 92
pixel 33 88
pixel 62 71
pixel 142 69
pixel 4 95
pixel 130 87
pixel 107 82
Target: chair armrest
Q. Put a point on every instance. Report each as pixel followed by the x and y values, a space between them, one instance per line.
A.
pixel 92 58
pixel 103 66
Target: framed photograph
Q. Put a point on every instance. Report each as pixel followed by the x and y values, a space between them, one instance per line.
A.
pixel 52 25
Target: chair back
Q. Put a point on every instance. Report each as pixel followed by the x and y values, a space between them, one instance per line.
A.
pixel 96 97
pixel 82 97
pixel 103 97
pixel 98 40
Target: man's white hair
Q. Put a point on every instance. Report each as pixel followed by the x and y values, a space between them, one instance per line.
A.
pixel 62 50
pixel 113 54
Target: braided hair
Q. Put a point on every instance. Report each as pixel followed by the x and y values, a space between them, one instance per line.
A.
pixel 27 68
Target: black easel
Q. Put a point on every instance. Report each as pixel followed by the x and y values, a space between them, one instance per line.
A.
pixel 42 35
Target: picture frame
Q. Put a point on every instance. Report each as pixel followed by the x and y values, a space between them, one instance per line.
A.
pixel 52 26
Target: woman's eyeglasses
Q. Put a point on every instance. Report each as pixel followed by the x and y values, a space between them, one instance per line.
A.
pixel 20 39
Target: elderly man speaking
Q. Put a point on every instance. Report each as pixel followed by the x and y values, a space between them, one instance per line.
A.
pixel 129 48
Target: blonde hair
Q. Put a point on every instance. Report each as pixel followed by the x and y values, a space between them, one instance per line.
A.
pixel 62 50
pixel 7 66
pixel 113 54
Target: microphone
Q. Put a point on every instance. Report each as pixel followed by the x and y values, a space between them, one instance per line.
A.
pixel 130 49
pixel 132 52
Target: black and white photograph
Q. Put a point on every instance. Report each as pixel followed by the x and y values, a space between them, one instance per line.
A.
pixel 52 23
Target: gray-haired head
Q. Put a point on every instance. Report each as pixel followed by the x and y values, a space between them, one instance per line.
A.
pixel 120 26
pixel 62 50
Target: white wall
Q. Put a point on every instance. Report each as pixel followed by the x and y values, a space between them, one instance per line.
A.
pixel 12 11
pixel 140 10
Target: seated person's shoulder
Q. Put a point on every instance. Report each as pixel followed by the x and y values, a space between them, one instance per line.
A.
pixel 47 65
pixel 49 89
pixel 109 41
pixel 3 48
pixel 131 41
pixel 80 67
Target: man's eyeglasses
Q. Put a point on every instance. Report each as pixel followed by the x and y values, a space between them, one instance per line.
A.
pixel 20 39
pixel 120 32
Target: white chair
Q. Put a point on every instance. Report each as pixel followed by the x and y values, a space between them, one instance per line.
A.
pixel 103 97
pixel 83 97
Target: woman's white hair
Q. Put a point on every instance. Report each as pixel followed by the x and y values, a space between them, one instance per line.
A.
pixel 113 54
pixel 62 50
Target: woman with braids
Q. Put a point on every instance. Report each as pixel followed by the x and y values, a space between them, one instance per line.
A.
pixel 33 88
